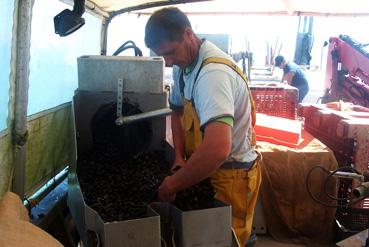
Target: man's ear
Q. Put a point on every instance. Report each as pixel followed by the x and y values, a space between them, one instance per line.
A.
pixel 187 33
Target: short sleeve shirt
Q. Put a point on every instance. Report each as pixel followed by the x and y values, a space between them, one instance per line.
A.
pixel 299 78
pixel 218 92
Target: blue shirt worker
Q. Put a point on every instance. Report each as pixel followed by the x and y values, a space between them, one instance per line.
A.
pixel 212 120
pixel 293 75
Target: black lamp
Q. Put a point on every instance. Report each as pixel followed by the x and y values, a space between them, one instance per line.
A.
pixel 67 21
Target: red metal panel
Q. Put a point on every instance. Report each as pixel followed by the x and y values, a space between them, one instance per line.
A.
pixel 347 72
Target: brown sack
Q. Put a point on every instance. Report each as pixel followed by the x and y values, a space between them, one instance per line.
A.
pixel 11 207
pixel 22 233
pixel 291 215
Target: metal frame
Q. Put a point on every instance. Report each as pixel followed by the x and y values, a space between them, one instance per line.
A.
pixel 107 20
pixel 90 6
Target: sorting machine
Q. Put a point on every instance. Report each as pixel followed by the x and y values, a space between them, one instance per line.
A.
pixel 139 81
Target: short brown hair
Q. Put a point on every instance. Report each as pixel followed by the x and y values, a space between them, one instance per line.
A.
pixel 166 24
pixel 279 60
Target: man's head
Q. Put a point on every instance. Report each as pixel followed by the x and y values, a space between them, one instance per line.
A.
pixel 169 34
pixel 279 60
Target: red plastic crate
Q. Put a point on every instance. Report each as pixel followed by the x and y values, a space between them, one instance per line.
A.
pixel 277 130
pixel 278 100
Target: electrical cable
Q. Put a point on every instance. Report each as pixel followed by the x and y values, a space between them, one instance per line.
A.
pixel 172 238
pixel 352 201
pixel 127 45
pixel 124 44
pixel 163 242
pixel 309 191
pixel 138 52
pixel 98 241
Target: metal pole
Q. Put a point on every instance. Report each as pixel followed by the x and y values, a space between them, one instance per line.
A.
pixel 47 188
pixel 143 116
pixel 22 53
pixel 104 35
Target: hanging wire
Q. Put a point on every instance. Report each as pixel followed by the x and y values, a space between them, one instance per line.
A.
pixel 164 244
pixel 349 200
pixel 173 235
pixel 128 45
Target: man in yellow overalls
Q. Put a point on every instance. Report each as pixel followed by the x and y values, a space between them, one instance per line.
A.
pixel 212 120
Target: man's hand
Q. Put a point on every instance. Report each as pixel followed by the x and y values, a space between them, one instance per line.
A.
pixel 166 194
pixel 176 167
pixel 287 78
pixel 178 164
pixel 211 153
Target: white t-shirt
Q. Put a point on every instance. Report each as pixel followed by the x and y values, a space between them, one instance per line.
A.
pixel 218 92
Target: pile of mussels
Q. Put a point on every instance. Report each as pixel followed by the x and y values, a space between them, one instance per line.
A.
pixel 119 178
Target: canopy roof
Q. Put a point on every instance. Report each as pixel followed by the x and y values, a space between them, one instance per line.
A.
pixel 270 7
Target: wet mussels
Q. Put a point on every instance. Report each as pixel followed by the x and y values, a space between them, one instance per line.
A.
pixel 120 189
pixel 119 178
pixel 199 196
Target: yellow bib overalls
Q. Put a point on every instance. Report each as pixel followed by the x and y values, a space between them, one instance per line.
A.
pixel 238 187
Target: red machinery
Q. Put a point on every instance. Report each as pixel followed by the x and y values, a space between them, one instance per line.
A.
pixel 347 72
pixel 344 126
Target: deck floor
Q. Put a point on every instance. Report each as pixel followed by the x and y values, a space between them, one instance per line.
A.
pixel 267 241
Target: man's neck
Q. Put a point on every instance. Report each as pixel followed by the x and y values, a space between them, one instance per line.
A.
pixel 189 68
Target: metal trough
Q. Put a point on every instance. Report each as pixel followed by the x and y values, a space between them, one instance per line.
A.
pixel 205 227
pixel 138 232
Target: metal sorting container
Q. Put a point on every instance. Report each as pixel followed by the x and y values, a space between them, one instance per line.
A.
pixel 143 85
pixel 136 232
pixel 205 227
pixel 98 76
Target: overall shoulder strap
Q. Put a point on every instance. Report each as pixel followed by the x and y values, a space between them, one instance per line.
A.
pixel 233 66
pixel 227 62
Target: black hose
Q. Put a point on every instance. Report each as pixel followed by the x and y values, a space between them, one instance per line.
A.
pixel 311 194
pixel 127 45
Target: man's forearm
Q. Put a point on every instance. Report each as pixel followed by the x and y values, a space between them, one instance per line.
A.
pixel 211 153
pixel 288 77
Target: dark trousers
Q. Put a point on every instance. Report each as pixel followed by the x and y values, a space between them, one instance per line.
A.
pixel 303 90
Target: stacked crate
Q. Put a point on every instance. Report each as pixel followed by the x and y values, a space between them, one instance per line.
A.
pixel 347 134
pixel 279 100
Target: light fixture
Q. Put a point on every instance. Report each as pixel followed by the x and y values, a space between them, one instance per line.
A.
pixel 67 21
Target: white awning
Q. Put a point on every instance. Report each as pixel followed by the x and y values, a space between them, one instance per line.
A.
pixel 270 7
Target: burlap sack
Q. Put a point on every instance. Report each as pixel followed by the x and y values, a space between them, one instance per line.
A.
pixel 22 233
pixel 11 207
pixel 15 229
